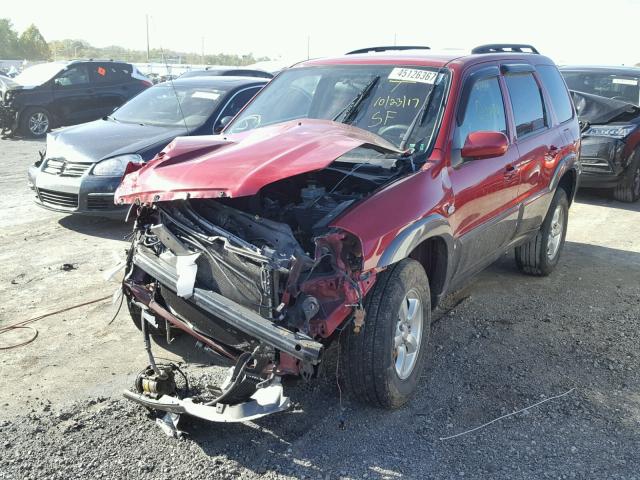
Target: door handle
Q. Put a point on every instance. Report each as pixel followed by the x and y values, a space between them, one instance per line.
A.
pixel 91 91
pixel 510 172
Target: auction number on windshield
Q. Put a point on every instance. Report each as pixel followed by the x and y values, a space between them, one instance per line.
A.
pixel 413 75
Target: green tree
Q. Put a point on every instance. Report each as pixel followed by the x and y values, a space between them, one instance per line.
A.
pixel 33 46
pixel 8 41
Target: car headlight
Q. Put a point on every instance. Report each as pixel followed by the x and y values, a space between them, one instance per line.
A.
pixel 115 167
pixel 615 131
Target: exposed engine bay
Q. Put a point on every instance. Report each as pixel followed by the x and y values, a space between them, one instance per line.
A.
pixel 263 275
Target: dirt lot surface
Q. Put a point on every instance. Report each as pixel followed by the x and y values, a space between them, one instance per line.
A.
pixel 503 343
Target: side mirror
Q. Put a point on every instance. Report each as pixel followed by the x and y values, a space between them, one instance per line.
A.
pixel 485 145
pixel 224 121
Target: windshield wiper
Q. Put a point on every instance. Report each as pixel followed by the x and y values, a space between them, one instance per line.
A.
pixel 351 109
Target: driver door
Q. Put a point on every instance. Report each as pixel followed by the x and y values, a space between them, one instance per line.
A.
pixel 484 212
pixel 73 96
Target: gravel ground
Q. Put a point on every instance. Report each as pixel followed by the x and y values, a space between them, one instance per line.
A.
pixel 504 342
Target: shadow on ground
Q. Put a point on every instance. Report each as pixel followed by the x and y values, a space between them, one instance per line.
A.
pixel 96 226
pixel 603 198
pixel 514 341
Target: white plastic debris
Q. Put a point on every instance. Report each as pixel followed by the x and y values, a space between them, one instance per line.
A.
pixel 186 269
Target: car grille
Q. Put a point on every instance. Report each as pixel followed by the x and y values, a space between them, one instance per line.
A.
pixel 100 202
pixel 58 199
pixel 64 168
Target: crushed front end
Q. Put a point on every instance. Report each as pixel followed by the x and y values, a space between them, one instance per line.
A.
pixel 8 114
pixel 263 280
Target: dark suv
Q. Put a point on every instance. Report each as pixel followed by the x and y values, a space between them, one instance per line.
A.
pixel 607 100
pixel 53 94
pixel 341 205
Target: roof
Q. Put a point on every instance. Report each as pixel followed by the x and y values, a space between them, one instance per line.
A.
pixel 616 70
pixel 428 58
pixel 226 83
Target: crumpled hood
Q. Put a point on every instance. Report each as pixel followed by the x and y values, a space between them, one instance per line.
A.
pixel 241 164
pixel 596 109
pixel 93 141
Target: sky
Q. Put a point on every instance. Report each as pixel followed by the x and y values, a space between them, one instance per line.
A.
pixel 569 32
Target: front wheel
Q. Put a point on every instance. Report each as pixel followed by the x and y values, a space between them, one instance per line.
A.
pixel 35 122
pixel 381 365
pixel 540 255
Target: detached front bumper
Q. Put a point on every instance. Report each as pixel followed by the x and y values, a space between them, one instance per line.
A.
pixel 297 345
pixel 264 401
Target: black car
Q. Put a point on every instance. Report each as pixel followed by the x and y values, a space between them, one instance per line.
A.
pixel 607 100
pixel 224 72
pixel 54 94
pixel 84 164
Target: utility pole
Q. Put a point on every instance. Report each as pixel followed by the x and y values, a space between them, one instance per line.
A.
pixel 202 51
pixel 147 18
pixel 308 46
pixel 395 38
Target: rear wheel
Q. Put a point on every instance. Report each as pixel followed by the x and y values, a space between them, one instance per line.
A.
pixel 35 122
pixel 381 365
pixel 540 255
pixel 628 190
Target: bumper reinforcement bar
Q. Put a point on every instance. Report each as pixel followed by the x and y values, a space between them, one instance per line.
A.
pixel 297 345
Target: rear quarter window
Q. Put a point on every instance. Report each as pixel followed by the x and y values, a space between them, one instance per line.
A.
pixel 553 82
pixel 526 103
pixel 110 73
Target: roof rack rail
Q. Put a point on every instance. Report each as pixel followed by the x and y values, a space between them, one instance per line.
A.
pixel 384 49
pixel 505 48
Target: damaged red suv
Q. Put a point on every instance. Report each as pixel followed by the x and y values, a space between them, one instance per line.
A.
pixel 341 205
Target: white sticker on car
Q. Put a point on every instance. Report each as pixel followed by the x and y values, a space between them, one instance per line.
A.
pixel 413 75
pixel 207 95
pixel 625 81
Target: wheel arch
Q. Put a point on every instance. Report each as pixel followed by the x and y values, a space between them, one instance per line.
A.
pixel 567 176
pixel 430 242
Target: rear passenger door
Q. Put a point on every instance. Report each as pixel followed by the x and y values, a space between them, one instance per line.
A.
pixel 538 139
pixel 484 213
pixel 110 84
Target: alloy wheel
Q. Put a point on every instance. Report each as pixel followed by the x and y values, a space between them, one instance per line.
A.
pixel 38 123
pixel 408 334
pixel 555 232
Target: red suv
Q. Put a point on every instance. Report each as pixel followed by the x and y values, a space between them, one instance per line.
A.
pixel 341 205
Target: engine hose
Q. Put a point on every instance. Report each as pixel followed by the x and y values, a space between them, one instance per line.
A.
pixel 147 344
pixel 236 378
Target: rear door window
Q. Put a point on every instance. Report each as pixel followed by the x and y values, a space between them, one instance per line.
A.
pixel 526 103
pixel 557 91
pixel 111 73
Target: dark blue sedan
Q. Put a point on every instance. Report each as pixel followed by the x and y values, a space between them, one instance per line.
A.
pixel 84 164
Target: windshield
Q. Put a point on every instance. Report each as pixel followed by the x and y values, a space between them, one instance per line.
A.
pixel 618 87
pixel 38 74
pixel 389 101
pixel 164 106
